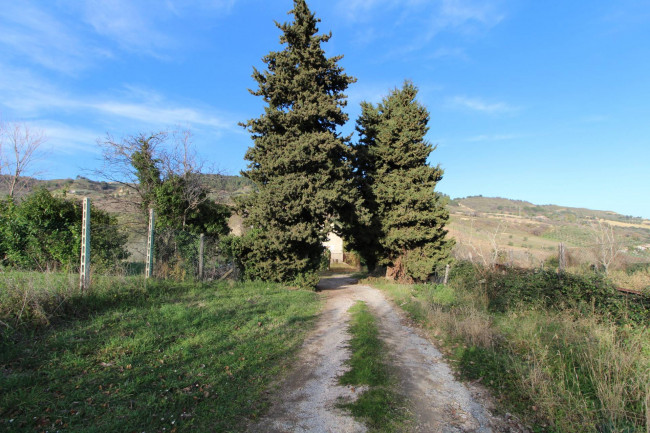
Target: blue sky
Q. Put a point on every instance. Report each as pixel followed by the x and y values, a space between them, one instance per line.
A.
pixel 542 101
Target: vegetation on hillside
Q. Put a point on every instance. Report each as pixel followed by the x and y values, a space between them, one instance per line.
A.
pixel 165 177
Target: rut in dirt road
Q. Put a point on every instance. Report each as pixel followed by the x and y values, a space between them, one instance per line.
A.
pixel 307 399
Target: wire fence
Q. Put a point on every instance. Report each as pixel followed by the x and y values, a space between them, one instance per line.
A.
pixel 177 254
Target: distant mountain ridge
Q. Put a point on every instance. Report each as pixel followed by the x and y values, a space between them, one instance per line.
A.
pixel 499 205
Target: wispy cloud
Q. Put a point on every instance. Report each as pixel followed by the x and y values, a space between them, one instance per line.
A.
pixel 493 137
pixel 68 139
pixel 161 114
pixel 32 33
pixel 127 24
pixel 146 26
pixel 482 106
pixel 421 20
pixel 32 98
pixel 72 35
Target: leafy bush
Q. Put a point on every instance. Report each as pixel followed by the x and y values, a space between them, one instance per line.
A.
pixel 43 232
pixel 510 288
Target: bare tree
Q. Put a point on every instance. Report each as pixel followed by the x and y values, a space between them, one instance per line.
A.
pixel 172 158
pixel 183 162
pixel 118 165
pixel 477 251
pixel 606 249
pixel 19 146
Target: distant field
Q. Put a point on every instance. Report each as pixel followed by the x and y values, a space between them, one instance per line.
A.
pixel 526 235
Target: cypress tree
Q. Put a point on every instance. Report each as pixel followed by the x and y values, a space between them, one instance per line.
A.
pixel 299 162
pixel 408 216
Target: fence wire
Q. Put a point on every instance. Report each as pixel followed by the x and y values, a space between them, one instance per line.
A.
pixel 178 254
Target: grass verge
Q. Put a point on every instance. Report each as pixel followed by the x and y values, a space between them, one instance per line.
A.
pixel 380 407
pixel 168 357
pixel 561 369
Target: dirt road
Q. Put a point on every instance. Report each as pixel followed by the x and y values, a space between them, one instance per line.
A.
pixel 306 401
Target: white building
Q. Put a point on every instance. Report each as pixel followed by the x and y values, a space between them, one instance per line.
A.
pixel 335 244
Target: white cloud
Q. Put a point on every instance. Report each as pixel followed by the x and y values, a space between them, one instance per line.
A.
pixel 422 19
pixel 64 138
pixel 480 105
pixel 128 24
pixel 26 96
pixel 160 115
pixel 146 26
pixel 72 35
pixel 457 13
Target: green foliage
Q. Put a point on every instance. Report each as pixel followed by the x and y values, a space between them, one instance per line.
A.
pixel 147 168
pixel 156 357
pixel 44 232
pixel 298 161
pixel 325 260
pixel 407 217
pixel 180 199
pixel 563 291
pixel 175 211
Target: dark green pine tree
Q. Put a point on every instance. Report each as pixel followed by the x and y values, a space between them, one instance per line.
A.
pixel 299 162
pixel 408 216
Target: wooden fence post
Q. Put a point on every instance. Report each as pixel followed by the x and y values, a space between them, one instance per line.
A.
pixel 446 275
pixel 201 240
pixel 84 269
pixel 150 245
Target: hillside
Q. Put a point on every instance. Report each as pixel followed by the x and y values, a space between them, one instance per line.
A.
pixel 527 233
pixel 222 188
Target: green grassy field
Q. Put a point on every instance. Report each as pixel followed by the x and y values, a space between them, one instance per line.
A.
pixel 165 357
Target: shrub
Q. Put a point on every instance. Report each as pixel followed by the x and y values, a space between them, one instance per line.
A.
pixel 43 232
pixel 563 291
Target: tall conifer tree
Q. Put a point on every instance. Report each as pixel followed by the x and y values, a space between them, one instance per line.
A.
pixel 397 184
pixel 299 162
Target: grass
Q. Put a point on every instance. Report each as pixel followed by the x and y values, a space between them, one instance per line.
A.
pixel 561 370
pixel 165 357
pixel 380 407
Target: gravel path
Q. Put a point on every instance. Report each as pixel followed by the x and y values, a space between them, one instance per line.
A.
pixel 306 401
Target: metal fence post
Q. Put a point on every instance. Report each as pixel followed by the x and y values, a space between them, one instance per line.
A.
pixel 150 245
pixel 201 240
pixel 84 269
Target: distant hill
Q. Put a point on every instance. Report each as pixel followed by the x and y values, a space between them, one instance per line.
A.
pixel 521 224
pixel 527 234
pixel 498 205
pixel 222 188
